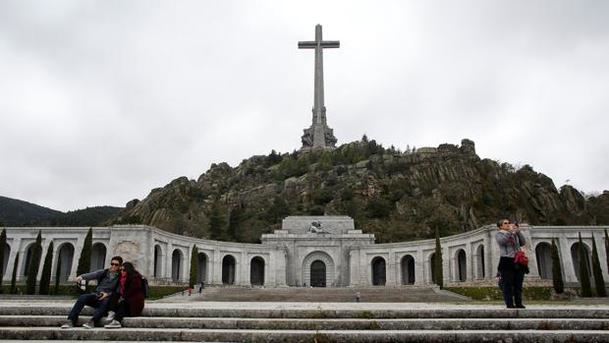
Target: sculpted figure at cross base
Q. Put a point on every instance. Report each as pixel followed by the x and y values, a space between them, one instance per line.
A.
pixel 316 227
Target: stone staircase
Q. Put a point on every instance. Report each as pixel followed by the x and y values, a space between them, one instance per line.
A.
pixel 316 322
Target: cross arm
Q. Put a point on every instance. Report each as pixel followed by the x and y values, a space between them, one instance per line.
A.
pixel 323 44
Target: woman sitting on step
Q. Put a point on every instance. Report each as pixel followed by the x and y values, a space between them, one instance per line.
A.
pixel 130 302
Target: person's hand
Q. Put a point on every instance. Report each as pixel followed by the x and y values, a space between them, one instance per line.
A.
pixel 103 295
pixel 79 279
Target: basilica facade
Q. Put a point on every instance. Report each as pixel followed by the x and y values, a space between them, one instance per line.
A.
pixel 316 251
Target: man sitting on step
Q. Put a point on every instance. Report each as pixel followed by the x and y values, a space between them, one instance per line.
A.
pixel 107 283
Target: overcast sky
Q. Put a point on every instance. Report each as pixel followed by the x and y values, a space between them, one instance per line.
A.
pixel 101 101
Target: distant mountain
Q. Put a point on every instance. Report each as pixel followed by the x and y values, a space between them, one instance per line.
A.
pixel 397 195
pixel 15 212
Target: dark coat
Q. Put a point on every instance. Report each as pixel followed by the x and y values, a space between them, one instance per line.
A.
pixel 134 294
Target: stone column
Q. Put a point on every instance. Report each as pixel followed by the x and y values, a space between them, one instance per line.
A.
pixel 564 250
pixel 469 262
pixel 419 268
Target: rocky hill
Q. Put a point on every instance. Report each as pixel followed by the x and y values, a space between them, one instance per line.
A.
pixel 395 195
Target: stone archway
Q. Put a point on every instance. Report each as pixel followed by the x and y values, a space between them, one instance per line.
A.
pixel 407 266
pixel 480 267
pixel 543 254
pixel 257 271
pixel 379 271
pixel 575 258
pixel 318 274
pixel 176 265
pixel 461 265
pixel 328 269
pixel 98 256
pixel 65 256
pixel 228 270
pixel 202 263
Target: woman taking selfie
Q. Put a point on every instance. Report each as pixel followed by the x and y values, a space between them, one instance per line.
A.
pixel 131 291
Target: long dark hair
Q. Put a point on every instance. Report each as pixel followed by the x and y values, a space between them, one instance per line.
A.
pixel 131 272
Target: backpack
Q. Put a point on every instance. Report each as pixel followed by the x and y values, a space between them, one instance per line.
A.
pixel 145 287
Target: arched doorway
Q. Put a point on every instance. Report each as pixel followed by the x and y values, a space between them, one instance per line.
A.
pixel 480 270
pixel 324 272
pixel 379 272
pixel 176 265
pixel 461 266
pixel 98 256
pixel 228 270
pixel 318 274
pixel 28 259
pixel 543 253
pixel 7 254
pixel 575 258
pixel 158 264
pixel 65 256
pixel 432 266
pixel 257 271
pixel 202 272
pixel 407 266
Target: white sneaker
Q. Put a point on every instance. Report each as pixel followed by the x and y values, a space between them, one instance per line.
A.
pixel 110 316
pixel 67 325
pixel 114 324
pixel 88 325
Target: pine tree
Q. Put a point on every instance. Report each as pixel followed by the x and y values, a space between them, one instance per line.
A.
pixel 584 274
pixel 557 282
pixel 2 248
pixel 194 266
pixel 599 282
pixel 32 272
pixel 439 272
pixel 84 261
pixel 14 277
pixel 45 278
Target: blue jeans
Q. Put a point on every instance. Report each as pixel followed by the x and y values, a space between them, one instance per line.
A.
pixel 91 299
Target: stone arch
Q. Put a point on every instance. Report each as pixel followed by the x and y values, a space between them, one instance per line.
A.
pixel 543 254
pixel 229 265
pixel 379 271
pixel 7 255
pixel 407 268
pixel 202 263
pixel 29 251
pixel 157 272
pixel 480 263
pixel 460 265
pixel 65 258
pixel 432 270
pixel 98 256
pixel 257 271
pixel 177 259
pixel 575 258
pixel 327 261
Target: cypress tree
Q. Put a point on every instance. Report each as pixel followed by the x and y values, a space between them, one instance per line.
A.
pixel 557 282
pixel 57 274
pixel 584 274
pixel 32 272
pixel 2 248
pixel 45 278
pixel 14 277
pixel 607 248
pixel 438 262
pixel 599 282
pixel 84 261
pixel 194 266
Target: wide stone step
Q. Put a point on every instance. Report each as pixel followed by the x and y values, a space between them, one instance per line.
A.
pixel 330 324
pixel 296 336
pixel 324 313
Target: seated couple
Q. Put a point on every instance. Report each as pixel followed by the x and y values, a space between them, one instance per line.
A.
pixel 119 289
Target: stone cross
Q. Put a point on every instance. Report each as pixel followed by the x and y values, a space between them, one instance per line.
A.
pixel 319 135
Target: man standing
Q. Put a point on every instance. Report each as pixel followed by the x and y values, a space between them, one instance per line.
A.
pixel 107 283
